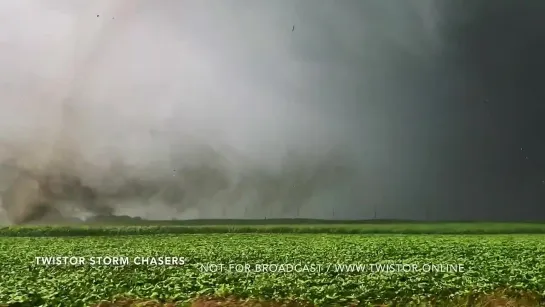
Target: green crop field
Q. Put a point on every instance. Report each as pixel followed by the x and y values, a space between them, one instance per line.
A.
pixel 272 226
pixel 320 269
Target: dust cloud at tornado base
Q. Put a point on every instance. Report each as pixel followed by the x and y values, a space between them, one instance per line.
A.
pixel 196 109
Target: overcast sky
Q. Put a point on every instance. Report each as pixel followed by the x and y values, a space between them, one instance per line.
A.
pixel 434 105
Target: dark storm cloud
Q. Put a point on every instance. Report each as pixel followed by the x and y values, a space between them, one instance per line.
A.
pixel 498 48
pixel 226 109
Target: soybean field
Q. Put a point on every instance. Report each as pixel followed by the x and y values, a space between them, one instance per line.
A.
pixel 290 269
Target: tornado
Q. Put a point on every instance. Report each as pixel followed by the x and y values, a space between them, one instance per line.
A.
pixel 257 109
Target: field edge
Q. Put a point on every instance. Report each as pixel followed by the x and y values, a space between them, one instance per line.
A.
pixel 251 226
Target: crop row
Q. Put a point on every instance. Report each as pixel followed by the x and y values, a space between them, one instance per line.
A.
pixel 363 228
pixel 477 264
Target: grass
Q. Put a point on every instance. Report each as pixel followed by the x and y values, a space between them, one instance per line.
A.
pixel 273 226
